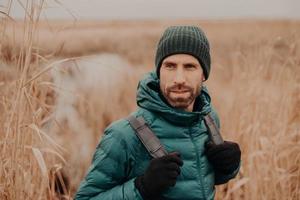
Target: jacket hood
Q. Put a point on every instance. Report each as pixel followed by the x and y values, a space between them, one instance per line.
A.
pixel 149 98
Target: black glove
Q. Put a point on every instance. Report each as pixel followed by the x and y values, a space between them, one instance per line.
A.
pixel 224 157
pixel 159 176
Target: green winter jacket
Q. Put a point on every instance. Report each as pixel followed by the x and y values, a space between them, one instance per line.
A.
pixel 120 157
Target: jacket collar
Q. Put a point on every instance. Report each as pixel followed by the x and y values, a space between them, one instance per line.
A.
pixel 149 98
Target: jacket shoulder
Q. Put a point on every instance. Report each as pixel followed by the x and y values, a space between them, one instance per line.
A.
pixel 122 132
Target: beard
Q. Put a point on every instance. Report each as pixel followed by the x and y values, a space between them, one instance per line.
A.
pixel 181 96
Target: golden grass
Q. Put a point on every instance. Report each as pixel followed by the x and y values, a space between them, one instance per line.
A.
pixel 54 106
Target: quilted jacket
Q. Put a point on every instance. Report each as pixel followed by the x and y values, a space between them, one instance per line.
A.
pixel 120 157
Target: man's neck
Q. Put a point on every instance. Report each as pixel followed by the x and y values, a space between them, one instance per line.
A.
pixel 190 108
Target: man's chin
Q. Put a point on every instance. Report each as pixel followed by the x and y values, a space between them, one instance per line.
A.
pixel 181 107
pixel 179 104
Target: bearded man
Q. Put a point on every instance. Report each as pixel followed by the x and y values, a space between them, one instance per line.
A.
pixel 173 102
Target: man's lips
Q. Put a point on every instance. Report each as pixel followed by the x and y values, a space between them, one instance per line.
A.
pixel 179 91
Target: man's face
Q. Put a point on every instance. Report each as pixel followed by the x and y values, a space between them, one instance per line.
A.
pixel 181 78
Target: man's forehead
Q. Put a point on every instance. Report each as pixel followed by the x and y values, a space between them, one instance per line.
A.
pixel 181 58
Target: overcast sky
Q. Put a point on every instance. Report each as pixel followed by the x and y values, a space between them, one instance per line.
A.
pixel 165 9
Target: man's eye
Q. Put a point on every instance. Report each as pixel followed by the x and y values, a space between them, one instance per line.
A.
pixel 170 66
pixel 190 67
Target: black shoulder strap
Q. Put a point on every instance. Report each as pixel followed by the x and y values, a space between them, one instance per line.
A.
pixel 147 137
pixel 213 130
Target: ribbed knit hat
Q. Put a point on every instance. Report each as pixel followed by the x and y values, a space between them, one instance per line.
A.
pixel 184 40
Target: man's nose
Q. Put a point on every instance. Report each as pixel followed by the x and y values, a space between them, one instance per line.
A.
pixel 179 77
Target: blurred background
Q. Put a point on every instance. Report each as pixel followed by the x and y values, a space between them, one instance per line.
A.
pixel 166 9
pixel 70 68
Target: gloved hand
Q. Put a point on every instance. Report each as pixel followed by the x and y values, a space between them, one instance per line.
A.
pixel 224 157
pixel 159 176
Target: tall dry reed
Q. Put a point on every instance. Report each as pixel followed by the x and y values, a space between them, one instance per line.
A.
pixel 28 154
pixel 263 115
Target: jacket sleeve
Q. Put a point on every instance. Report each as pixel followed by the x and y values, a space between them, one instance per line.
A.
pixel 219 177
pixel 106 177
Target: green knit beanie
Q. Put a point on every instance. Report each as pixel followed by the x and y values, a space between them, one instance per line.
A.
pixel 184 40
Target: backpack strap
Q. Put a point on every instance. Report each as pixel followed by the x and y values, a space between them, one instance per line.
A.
pixel 213 130
pixel 147 137
pixel 152 143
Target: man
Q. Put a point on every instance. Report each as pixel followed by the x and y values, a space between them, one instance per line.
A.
pixel 173 102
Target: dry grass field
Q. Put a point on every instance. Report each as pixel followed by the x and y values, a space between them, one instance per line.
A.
pixel 62 83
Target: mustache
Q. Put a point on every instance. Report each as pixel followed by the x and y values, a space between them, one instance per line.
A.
pixel 179 87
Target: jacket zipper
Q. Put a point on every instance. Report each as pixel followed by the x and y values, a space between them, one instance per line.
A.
pixel 198 165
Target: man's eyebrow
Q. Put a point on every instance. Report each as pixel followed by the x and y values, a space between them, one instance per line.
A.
pixel 169 63
pixel 191 63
